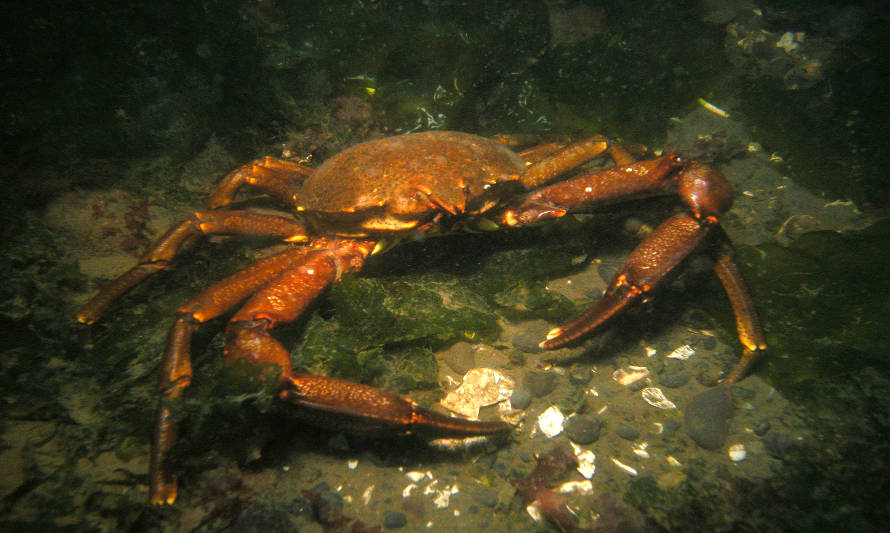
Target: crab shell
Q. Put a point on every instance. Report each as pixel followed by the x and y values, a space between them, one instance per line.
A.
pixel 399 183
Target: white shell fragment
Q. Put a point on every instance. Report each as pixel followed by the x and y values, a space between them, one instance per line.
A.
pixel 534 510
pixel 576 487
pixel 630 375
pixel 737 453
pixel 586 464
pixel 416 476
pixel 655 397
pixel 629 469
pixel 551 421
pixel 640 450
pixel 481 387
pixel 682 352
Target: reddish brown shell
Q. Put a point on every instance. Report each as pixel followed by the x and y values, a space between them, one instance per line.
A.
pixel 397 182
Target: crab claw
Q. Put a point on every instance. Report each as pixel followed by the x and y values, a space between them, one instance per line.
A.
pixel 356 408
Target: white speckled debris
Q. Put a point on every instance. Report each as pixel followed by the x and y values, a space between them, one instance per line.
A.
pixel 551 421
pixel 655 397
pixel 629 469
pixel 682 352
pixel 576 487
pixel 480 387
pixel 737 453
pixel 586 463
pixel 630 375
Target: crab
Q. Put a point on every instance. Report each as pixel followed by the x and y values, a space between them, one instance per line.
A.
pixel 368 197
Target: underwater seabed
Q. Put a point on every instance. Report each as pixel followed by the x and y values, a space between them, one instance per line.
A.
pixel 659 444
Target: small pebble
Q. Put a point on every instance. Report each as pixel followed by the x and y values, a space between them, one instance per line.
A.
pixel 707 417
pixel 394 519
pixel 539 383
pixel 674 379
pixel 529 336
pixel 761 428
pixel 486 496
pixel 520 399
pixel 583 429
pixel 707 342
pixel 627 432
pixel 777 444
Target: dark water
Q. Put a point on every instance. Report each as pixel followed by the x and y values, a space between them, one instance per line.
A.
pixel 118 120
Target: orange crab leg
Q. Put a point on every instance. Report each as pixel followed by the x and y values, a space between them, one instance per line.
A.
pixel 646 178
pixel 747 322
pixel 180 237
pixel 364 409
pixel 563 160
pixel 176 369
pixel 707 195
pixel 271 175
pixel 658 254
pixel 287 283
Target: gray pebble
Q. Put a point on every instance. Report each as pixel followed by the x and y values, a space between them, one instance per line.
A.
pixel 707 417
pixel 530 335
pixel 539 383
pixel 520 399
pixel 627 432
pixel 761 427
pixel 674 379
pixel 777 444
pixel 486 496
pixel 583 429
pixel 394 519
pixel 461 357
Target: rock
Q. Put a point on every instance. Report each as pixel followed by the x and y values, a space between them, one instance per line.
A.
pixel 707 417
pixel 627 432
pixel 530 335
pixel 761 428
pixel 394 520
pixel 461 357
pixel 583 429
pixel 539 383
pixel 520 399
pixel 777 444
pixel 674 379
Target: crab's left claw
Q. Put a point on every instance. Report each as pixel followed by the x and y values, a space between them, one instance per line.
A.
pixel 357 408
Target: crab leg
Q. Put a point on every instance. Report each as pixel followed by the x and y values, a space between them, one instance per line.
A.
pixel 176 371
pixel 275 177
pixel 707 195
pixel 287 283
pixel 179 237
pixel 658 254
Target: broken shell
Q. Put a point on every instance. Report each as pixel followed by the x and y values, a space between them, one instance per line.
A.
pixel 630 375
pixel 655 397
pixel 586 463
pixel 682 352
pixel 629 469
pixel 640 450
pixel 737 453
pixel 551 421
pixel 577 487
pixel 480 387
